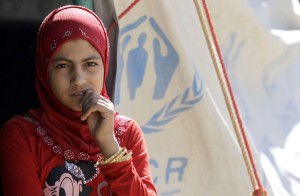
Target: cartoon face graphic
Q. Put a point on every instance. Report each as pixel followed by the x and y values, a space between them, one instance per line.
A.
pixel 66 185
pixel 61 182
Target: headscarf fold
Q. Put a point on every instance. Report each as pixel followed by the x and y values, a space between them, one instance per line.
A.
pixel 66 132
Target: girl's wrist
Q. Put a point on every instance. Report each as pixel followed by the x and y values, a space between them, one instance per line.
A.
pixel 108 145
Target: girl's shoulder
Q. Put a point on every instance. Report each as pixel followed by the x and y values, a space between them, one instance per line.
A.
pixel 17 125
pixel 21 120
pixel 127 129
pixel 125 123
pixel 121 120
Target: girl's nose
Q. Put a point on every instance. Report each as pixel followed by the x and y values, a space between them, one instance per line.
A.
pixel 78 76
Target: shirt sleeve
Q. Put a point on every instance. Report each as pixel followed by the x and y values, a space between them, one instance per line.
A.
pixel 18 170
pixel 131 177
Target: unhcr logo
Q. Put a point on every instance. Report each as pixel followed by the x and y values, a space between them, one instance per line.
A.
pixel 164 59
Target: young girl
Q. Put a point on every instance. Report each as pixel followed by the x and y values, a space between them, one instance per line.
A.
pixel 75 143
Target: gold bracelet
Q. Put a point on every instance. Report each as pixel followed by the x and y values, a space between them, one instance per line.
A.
pixel 124 156
pixel 120 156
pixel 103 161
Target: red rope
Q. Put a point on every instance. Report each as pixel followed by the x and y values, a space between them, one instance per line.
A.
pixel 128 9
pixel 122 15
pixel 260 189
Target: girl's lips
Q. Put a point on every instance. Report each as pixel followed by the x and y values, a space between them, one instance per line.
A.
pixel 78 94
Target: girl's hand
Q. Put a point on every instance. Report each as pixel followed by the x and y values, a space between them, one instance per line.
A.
pixel 99 113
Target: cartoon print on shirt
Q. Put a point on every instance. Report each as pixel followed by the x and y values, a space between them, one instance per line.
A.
pixel 66 185
pixel 61 181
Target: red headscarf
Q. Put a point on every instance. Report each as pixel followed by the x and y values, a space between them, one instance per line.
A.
pixel 65 133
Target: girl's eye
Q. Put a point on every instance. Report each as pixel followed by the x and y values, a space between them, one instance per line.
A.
pixel 91 64
pixel 62 65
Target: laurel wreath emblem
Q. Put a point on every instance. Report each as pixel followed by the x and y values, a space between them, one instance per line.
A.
pixel 181 103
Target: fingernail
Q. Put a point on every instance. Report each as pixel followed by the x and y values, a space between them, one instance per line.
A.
pixel 88 91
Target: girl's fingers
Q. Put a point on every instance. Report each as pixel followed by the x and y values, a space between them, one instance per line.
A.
pixel 95 103
pixel 87 102
pixel 101 108
pixel 87 94
pixel 89 106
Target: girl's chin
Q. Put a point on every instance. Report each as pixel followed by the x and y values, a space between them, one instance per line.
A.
pixel 76 108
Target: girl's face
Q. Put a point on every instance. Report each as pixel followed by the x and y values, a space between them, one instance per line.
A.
pixel 75 68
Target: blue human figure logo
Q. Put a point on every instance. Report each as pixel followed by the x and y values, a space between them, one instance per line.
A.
pixel 121 49
pixel 136 65
pixel 165 66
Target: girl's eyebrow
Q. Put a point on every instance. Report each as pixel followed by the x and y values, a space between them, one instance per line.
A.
pixel 60 59
pixel 92 57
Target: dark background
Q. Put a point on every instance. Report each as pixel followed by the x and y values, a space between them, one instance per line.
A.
pixel 17 67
